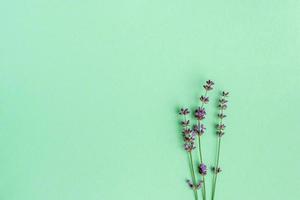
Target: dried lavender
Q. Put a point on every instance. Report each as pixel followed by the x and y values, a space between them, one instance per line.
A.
pixel 192 186
pixel 189 146
pixel 216 170
pixel 199 129
pixel 202 169
pixel 191 132
pixel 220 132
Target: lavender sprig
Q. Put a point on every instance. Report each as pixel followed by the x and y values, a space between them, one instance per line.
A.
pixel 220 132
pixel 199 129
pixel 189 146
pixel 193 186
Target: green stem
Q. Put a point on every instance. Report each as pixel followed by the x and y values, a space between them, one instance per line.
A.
pixel 217 161
pixel 199 148
pixel 201 160
pixel 193 175
pixel 200 153
pixel 204 188
pixel 216 167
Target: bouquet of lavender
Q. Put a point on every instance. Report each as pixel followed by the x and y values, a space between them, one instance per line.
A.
pixel 192 135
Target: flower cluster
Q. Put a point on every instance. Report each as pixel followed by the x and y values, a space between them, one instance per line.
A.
pixel 199 130
pixel 193 186
pixel 222 106
pixel 184 111
pixel 192 131
pixel 216 170
pixel 202 169
pixel 200 113
pixel 209 85
pixel 185 123
pixel 188 134
pixel 204 99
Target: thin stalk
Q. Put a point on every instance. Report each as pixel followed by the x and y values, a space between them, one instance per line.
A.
pixel 201 160
pixel 204 188
pixel 216 167
pixel 193 174
pixel 200 153
pixel 199 148
pixel 217 161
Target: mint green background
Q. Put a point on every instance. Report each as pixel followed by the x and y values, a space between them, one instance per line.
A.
pixel 89 92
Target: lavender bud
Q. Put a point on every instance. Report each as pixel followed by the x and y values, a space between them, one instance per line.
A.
pixel 194 187
pixel 217 170
pixel 223 101
pixel 184 111
pixel 199 185
pixel 190 184
pixel 185 123
pixel 209 82
pixel 202 169
pixel 225 94
pixel 187 131
pixel 189 137
pixel 220 133
pixel 202 129
pixel 189 146
pixel 199 130
pixel 221 116
pixel 196 129
pixel 200 113
pixel 204 99
pixel 222 106
pixel 221 127
pixel 209 85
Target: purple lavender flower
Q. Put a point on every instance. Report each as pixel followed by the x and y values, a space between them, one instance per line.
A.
pixel 204 99
pixel 184 111
pixel 194 187
pixel 222 116
pixel 199 185
pixel 185 123
pixel 223 101
pixel 189 137
pixel 202 169
pixel 187 131
pixel 202 129
pixel 221 126
pixel 199 130
pixel 188 134
pixel 225 94
pixel 189 146
pixel 220 129
pixel 190 183
pixel 209 85
pixel 200 113
pixel 223 106
pixel 196 129
pixel 220 133
pixel 209 82
pixel 217 170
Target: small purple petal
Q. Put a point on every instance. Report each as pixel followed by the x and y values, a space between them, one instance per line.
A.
pixel 202 169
